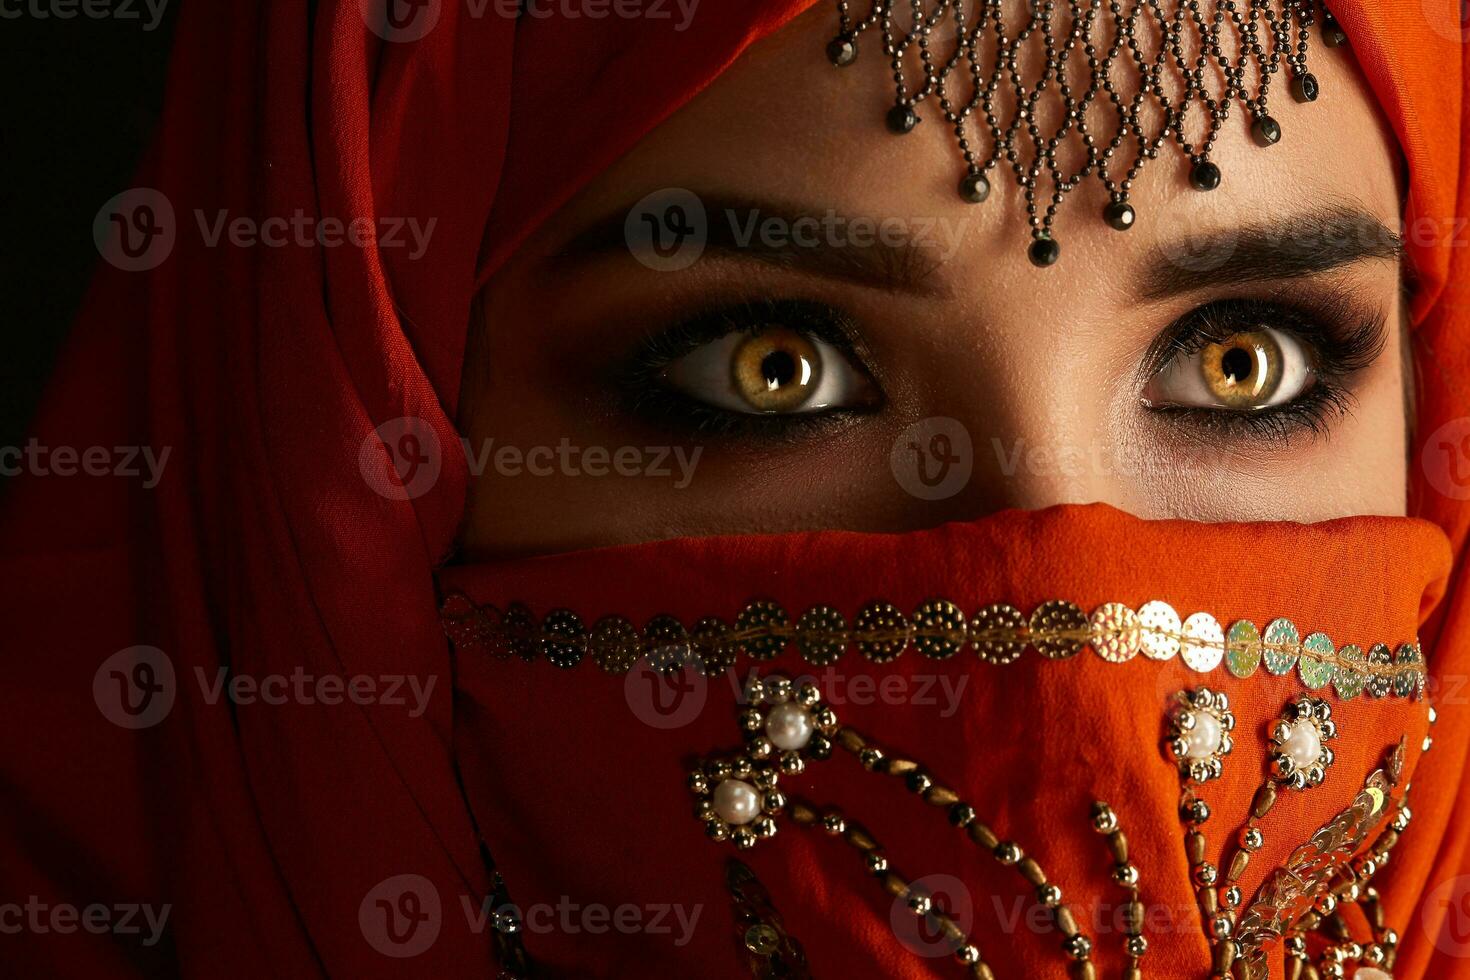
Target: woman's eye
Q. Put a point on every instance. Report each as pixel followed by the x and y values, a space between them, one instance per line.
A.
pixel 771 371
pixel 1245 372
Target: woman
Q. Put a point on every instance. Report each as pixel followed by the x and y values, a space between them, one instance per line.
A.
pixel 826 476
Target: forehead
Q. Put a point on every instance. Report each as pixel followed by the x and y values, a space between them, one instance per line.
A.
pixel 784 124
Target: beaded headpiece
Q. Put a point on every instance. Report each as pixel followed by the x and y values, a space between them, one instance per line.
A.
pixel 1117 82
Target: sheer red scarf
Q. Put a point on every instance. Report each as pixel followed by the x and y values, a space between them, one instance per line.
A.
pixel 266 371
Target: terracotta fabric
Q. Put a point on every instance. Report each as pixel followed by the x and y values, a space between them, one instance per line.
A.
pixel 608 819
pixel 265 549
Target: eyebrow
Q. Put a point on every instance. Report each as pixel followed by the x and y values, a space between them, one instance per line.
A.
pixel 1305 243
pixel 1295 245
pixel 736 229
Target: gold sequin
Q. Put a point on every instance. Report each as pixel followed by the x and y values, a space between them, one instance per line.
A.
pixel 1349 681
pixel 520 632
pixel 1115 632
pixel 563 638
pixel 615 644
pixel 1058 629
pixel 821 635
pixel 1283 646
pixel 995 633
pixel 713 650
pixel 761 621
pixel 666 643
pixel 1379 685
pixel 1160 630
pixel 939 629
pixel 1243 648
pixel 998 633
pixel 884 630
pixel 1315 665
pixel 1204 642
pixel 1409 683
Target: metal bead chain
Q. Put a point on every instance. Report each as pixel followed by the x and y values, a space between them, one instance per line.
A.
pixel 963 816
pixel 1188 50
pixel 832 820
pixel 1125 873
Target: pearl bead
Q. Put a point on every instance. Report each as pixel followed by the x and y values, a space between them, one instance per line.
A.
pixel 1303 746
pixel 737 802
pixel 789 726
pixel 1204 737
pixel 1371 973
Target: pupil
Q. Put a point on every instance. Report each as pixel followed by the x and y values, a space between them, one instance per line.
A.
pixel 1236 364
pixel 778 368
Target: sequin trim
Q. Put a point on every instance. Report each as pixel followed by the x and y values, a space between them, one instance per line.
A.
pixel 997 634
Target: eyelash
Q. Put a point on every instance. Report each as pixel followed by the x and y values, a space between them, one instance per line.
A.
pixel 1342 339
pixel 648 396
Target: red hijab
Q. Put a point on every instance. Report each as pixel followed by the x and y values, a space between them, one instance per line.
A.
pixel 266 371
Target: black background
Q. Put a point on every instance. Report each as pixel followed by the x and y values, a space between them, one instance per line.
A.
pixel 79 99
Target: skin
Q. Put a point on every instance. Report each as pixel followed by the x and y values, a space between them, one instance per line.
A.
pixel 1041 367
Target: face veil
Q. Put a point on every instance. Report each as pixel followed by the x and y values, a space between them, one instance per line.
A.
pixel 269 547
